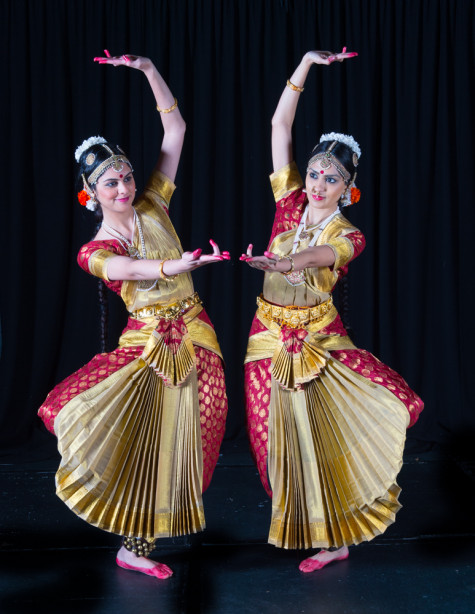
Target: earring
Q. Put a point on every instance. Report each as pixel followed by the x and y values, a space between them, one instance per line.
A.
pixel 345 198
pixel 92 203
pixel 304 191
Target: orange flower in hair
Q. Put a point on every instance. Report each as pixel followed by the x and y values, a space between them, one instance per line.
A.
pixel 355 195
pixel 83 197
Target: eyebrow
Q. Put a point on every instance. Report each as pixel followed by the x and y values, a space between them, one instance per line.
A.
pixel 310 169
pixel 115 178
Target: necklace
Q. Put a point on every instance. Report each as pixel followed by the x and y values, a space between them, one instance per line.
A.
pixel 126 244
pixel 301 232
pixel 144 284
pixel 297 278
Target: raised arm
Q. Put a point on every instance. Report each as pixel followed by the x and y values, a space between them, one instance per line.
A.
pixel 173 123
pixel 284 115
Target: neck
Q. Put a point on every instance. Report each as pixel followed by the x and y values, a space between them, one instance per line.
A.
pixel 315 216
pixel 123 222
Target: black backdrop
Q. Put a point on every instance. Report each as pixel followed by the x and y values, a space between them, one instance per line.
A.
pixel 407 99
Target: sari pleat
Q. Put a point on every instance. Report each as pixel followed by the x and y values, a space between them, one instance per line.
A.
pixel 131 455
pixel 335 449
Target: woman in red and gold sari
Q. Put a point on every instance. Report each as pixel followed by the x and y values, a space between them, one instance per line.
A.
pixel 139 428
pixel 326 421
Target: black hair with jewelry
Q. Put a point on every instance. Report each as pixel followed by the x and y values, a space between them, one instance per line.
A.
pixel 342 153
pixel 90 160
pixel 95 156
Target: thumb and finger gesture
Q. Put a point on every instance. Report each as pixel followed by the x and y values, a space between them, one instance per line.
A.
pixel 132 61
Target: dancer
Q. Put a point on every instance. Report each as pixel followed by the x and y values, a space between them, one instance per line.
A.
pixel 139 428
pixel 326 420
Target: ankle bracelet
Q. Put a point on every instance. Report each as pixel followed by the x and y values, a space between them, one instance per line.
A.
pixel 140 546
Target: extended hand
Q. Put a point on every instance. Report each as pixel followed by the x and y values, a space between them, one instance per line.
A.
pixel 193 260
pixel 267 262
pixel 132 61
pixel 327 57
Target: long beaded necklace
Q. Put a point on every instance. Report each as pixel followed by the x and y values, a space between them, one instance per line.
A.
pixel 297 278
pixel 144 284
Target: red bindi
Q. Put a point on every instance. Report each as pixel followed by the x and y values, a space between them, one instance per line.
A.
pixel 321 173
pixel 121 176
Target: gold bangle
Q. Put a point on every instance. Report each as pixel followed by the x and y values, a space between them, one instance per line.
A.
pixel 293 87
pixel 162 273
pixel 170 109
pixel 292 264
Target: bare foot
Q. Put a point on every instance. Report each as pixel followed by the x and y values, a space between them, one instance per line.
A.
pixel 128 560
pixel 322 558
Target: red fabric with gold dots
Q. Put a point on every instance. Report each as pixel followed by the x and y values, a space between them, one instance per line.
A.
pixel 88 249
pixel 213 408
pixel 289 210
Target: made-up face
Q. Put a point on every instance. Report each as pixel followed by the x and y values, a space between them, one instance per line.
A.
pixel 324 186
pixel 114 190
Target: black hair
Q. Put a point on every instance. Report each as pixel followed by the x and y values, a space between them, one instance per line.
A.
pixel 101 154
pixel 342 153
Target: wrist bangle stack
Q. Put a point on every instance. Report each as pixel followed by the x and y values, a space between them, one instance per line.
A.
pixel 292 264
pixel 170 109
pixel 293 87
pixel 161 272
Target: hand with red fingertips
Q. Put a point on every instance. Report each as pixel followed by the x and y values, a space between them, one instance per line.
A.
pixel 133 61
pixel 327 57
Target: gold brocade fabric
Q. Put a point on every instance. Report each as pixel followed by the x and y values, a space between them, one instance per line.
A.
pixel 319 281
pixel 131 446
pixel 161 241
pixel 335 449
pixel 131 455
pixel 335 440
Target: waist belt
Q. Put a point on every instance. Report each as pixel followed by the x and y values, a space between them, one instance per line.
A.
pixel 167 312
pixel 291 315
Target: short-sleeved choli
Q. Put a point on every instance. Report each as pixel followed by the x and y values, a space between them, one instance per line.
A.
pixel 161 241
pixel 339 234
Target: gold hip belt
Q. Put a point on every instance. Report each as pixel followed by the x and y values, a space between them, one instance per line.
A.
pixel 171 311
pixel 291 315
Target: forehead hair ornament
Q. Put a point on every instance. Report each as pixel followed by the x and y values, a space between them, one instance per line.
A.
pixel 114 162
pixel 326 159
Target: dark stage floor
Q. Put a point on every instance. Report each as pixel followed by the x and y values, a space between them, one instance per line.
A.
pixel 53 562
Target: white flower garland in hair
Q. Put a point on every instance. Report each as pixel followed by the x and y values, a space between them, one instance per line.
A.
pixel 342 138
pixel 93 140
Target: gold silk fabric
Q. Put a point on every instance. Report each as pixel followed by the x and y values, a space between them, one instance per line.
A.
pixel 161 241
pixel 131 448
pixel 335 438
pixel 335 449
pixel 319 281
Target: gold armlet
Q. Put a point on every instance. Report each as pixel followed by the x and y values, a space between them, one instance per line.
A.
pixel 161 272
pixel 170 109
pixel 293 87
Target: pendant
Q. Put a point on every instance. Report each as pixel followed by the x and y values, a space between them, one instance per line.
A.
pixel 304 235
pixel 145 285
pixel 296 278
pixel 133 252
